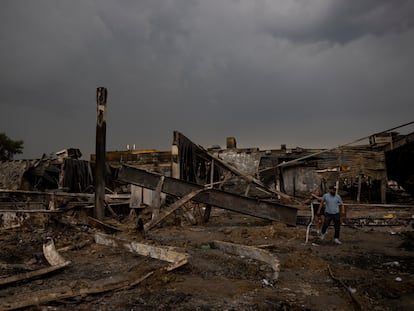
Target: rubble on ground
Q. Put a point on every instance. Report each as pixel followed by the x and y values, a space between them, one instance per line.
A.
pixel 188 230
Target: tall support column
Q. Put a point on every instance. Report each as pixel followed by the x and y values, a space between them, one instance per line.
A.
pixel 175 165
pixel 100 169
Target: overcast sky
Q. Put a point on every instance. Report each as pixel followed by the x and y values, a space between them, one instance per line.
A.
pixel 317 73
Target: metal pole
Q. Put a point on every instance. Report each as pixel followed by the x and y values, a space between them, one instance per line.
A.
pixel 100 169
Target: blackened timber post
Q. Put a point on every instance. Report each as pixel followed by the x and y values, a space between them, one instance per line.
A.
pixel 100 169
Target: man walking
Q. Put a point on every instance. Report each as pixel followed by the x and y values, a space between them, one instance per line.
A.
pixel 333 206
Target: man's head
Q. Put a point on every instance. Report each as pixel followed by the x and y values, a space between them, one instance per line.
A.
pixel 332 190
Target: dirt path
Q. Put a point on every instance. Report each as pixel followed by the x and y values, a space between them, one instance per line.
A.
pixel 374 264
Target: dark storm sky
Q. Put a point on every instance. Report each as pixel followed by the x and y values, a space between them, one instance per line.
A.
pixel 303 73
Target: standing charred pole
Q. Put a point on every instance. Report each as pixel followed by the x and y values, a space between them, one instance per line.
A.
pixel 100 169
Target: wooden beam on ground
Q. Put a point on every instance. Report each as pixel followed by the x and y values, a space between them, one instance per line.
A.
pixel 56 261
pixel 176 259
pixel 214 197
pixel 251 252
pixel 102 226
pixel 60 195
pixel 31 274
pixel 28 211
pixel 64 292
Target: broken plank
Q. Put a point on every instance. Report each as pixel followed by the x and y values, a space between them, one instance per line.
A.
pixel 251 252
pixel 64 292
pixel 102 226
pixel 167 211
pixel 214 197
pixel 75 246
pixel 52 256
pixel 31 274
pixel 32 211
pixel 176 259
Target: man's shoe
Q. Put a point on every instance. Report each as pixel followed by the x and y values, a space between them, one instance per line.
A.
pixel 336 241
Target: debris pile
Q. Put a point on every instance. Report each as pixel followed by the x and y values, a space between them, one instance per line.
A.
pixel 205 231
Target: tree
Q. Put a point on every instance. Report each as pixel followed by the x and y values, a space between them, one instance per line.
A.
pixel 8 147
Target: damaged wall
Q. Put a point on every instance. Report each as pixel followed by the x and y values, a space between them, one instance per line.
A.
pixel 400 164
pixel 360 170
pixel 347 165
pixel 12 172
pixel 70 175
pixel 245 160
pixel 152 160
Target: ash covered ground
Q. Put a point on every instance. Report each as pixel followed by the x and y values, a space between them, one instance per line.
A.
pixel 372 270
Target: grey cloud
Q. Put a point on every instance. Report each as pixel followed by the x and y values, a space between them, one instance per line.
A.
pixel 338 21
pixel 267 72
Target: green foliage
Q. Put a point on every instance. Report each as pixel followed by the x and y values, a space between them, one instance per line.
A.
pixel 8 147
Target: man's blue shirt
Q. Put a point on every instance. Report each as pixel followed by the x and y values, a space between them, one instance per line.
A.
pixel 332 203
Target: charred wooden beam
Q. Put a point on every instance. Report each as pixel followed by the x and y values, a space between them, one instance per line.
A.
pixel 101 94
pixel 55 260
pixel 168 254
pixel 38 297
pixel 250 252
pixel 214 197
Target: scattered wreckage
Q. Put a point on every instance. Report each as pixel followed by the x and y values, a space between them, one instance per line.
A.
pixel 271 184
pixel 152 185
